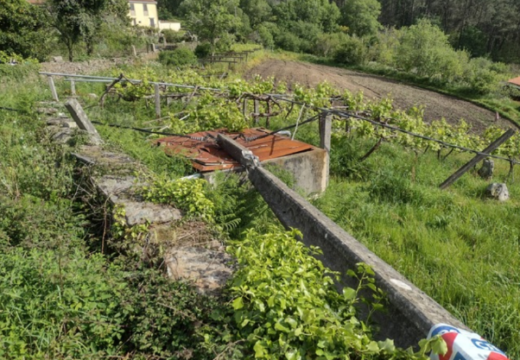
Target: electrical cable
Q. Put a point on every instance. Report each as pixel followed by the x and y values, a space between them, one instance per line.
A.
pixel 10 109
pixel 153 132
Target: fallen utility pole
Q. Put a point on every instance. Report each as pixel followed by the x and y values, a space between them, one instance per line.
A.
pixel 479 157
pixel 411 313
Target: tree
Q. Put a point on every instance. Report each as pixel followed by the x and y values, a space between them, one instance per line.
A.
pixel 361 16
pixel 258 11
pixel 168 9
pixel 213 19
pixel 22 29
pixel 82 19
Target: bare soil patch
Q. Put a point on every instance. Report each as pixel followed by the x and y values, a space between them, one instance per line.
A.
pixel 377 87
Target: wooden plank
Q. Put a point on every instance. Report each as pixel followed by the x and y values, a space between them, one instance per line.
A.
pixel 479 157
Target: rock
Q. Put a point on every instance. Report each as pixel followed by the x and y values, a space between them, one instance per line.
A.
pixel 145 212
pixel 46 111
pixel 63 136
pixel 92 96
pixel 57 59
pixel 54 122
pixel 486 171
pixel 209 270
pixel 70 124
pixel 498 191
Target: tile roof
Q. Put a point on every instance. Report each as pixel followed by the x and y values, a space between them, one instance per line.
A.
pixel 515 81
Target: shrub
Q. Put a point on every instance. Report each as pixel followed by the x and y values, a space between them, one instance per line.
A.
pixel 178 57
pixel 203 50
pixel 225 42
pixel 327 43
pixel 172 37
pixel 266 36
pixel 351 52
pixel 56 307
pixel 288 41
pixel 485 76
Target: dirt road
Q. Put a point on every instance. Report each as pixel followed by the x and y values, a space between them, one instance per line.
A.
pixel 376 87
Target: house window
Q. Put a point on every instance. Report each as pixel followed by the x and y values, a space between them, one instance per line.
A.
pixel 152 22
pixel 145 9
pixel 132 10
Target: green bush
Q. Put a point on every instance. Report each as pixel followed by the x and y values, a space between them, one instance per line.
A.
pixel 178 57
pixel 288 41
pixel 203 50
pixel 352 51
pixel 172 37
pixel 266 36
pixel 484 76
pixel 56 307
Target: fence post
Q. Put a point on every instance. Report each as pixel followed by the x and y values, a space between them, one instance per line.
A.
pixel 244 108
pixel 53 88
pixel 72 87
pixel 157 100
pixel 325 133
pixel 493 146
pixel 256 110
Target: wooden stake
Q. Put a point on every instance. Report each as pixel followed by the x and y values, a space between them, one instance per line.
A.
pixel 53 89
pixel 157 100
pixel 494 145
pixel 73 88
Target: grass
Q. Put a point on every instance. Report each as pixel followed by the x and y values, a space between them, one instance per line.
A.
pixel 456 245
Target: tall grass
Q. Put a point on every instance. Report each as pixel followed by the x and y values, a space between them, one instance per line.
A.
pixel 456 245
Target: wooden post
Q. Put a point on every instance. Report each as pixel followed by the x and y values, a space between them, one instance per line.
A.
pixel 244 108
pixel 325 133
pixel 53 89
pixel 256 110
pixel 157 100
pixel 72 87
pixel 494 145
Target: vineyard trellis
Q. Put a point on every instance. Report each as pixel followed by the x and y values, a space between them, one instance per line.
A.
pixel 226 104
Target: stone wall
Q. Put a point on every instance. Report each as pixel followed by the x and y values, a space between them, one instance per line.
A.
pixel 411 313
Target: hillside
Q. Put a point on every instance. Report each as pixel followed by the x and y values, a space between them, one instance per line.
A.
pixel 377 87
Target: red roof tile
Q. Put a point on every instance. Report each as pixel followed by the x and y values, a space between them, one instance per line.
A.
pixel 515 81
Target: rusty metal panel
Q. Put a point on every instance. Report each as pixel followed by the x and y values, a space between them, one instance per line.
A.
pixel 515 81
pixel 208 156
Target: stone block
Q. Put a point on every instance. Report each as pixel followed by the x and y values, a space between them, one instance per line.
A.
pixel 498 191
pixel 209 270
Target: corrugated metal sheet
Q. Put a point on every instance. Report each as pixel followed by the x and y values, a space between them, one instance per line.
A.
pixel 208 156
pixel 515 81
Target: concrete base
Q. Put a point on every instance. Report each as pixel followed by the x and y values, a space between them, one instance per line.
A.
pixel 309 169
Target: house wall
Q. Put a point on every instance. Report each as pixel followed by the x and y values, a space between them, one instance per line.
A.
pixel 138 15
pixel 169 25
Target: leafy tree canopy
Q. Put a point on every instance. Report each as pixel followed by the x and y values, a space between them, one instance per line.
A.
pixel 22 29
pixel 361 16
pixel 213 19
